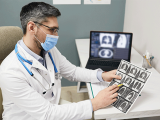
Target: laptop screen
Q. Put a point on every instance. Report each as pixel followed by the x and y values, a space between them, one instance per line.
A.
pixel 110 45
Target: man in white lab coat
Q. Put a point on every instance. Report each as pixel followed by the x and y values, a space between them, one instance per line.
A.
pixel 30 76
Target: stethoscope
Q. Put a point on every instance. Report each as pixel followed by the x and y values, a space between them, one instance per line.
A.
pixel 57 75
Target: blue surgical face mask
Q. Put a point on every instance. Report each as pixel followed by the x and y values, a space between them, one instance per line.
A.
pixel 50 41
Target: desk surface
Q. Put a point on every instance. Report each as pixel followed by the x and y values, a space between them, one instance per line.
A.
pixel 147 105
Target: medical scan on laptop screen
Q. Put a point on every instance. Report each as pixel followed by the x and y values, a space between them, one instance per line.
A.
pixel 110 45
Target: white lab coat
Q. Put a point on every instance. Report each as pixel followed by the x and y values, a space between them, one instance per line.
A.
pixel 22 94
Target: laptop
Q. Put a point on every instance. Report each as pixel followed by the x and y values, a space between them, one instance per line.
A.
pixel 107 49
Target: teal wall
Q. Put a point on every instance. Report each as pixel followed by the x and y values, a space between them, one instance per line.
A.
pixel 76 22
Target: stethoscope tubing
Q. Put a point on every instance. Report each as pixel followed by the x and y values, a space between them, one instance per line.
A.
pixel 20 58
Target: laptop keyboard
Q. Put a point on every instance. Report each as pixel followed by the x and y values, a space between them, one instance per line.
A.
pixel 103 63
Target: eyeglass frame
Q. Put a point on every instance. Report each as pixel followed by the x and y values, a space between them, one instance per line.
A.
pixel 53 29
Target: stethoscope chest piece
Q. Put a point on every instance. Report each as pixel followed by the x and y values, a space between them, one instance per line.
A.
pixel 58 76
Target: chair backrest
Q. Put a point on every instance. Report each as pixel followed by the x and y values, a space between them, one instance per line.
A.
pixel 9 35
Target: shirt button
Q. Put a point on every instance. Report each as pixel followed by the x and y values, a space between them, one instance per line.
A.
pixel 50 70
pixel 46 74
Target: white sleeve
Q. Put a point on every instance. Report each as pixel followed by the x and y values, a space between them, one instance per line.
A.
pixel 27 99
pixel 73 73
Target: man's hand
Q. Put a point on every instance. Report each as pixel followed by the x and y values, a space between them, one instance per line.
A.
pixel 105 97
pixel 108 76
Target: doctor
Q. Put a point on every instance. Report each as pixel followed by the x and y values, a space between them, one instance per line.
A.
pixel 30 76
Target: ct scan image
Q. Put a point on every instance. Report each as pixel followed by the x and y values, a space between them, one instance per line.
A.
pixel 129 95
pixel 128 81
pixel 106 39
pixel 143 75
pixel 113 82
pixel 133 79
pixel 138 85
pixel 122 41
pixel 123 67
pixel 122 90
pixel 133 70
pixel 123 79
pixel 105 52
pixel 122 105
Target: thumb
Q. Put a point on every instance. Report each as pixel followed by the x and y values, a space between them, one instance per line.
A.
pixel 116 77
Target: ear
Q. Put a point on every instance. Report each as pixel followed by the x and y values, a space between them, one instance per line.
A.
pixel 31 27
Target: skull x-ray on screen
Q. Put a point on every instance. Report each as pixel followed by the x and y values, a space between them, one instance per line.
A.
pixel 110 45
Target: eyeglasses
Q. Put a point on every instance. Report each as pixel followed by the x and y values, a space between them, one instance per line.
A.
pixel 54 30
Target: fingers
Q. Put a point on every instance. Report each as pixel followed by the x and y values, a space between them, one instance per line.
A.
pixel 116 76
pixel 114 90
pixel 114 100
pixel 110 88
pixel 114 95
pixel 114 71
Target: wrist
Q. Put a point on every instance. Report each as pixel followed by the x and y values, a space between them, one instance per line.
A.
pixel 103 75
pixel 94 105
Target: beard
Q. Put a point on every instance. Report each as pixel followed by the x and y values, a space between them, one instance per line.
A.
pixel 38 44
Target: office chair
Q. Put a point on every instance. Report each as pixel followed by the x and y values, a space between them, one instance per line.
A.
pixel 9 35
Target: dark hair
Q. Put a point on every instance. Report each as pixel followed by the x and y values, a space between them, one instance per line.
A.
pixel 37 11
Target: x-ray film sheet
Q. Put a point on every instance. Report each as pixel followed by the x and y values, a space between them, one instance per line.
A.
pixel 133 79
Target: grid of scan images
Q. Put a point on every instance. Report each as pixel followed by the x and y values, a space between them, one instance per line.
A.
pixel 133 79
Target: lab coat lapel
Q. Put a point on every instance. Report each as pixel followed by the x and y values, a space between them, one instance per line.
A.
pixel 35 63
pixel 51 71
pixel 50 68
pixel 57 82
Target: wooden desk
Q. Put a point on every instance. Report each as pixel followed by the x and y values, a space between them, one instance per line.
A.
pixel 147 105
